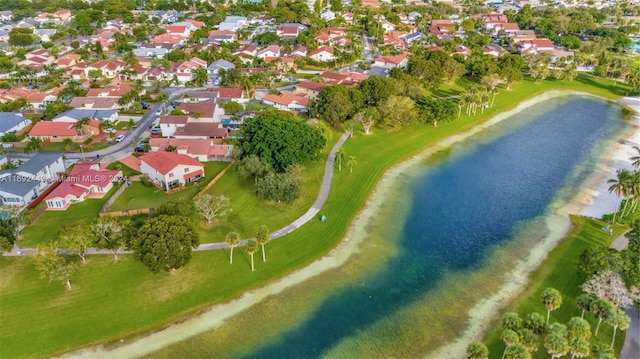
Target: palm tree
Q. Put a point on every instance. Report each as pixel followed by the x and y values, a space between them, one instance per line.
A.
pixel 33 146
pixel 81 125
pixel 584 303
pixel 601 308
pixel 68 144
pixel 618 185
pixel 262 237
pixel 517 351
pixel 251 248
pixel 340 157
pixel 461 104
pixel 617 319
pixel 635 160
pixel 578 347
pixel 477 350
pixel 551 299
pixel 509 337
pixel 579 328
pixel 557 344
pixel 232 239
pixel 352 163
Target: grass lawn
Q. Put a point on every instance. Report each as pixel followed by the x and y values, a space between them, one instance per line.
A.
pixel 559 271
pixel 45 228
pixel 126 171
pixel 122 126
pixel 127 300
pixel 241 194
pixel 140 196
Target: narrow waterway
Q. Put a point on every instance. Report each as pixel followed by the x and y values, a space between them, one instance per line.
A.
pixel 480 196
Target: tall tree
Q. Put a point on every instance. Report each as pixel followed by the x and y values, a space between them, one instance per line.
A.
pixel 7 236
pixel 509 337
pixel 618 319
pixel 233 240
pixel 619 187
pixel 610 286
pixel 251 248
pixel 352 163
pixel 253 166
pixel 211 206
pixel 551 299
pixel 280 139
pixel 34 145
pixel 601 308
pixel 397 111
pixel 367 118
pixel 262 237
pixel 52 265
pixel 556 341
pixel 511 320
pixel 164 242
pixel 517 351
pixel 77 238
pixel 340 157
pixel 477 350
pixel 584 303
pixel 110 234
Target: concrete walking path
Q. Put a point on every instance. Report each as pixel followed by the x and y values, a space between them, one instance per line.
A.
pixel 325 187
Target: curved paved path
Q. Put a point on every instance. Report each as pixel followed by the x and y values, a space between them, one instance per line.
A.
pixel 325 187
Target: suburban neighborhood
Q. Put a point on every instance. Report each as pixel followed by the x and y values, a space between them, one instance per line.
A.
pixel 144 141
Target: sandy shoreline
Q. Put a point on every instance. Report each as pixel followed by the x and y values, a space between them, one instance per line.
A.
pixel 590 202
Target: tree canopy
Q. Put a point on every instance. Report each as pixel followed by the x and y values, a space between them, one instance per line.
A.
pixel 164 242
pixel 280 139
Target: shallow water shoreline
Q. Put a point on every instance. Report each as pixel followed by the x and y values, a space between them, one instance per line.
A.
pixel 218 314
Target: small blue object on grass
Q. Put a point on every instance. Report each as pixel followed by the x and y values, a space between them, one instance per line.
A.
pixel 605 228
pixel 323 218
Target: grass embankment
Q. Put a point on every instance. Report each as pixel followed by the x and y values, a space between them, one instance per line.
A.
pixel 127 300
pixel 559 271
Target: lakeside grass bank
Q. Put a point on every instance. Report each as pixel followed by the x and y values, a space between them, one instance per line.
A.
pixel 147 302
pixel 559 270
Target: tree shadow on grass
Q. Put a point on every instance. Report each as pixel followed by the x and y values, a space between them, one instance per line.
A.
pixel 615 87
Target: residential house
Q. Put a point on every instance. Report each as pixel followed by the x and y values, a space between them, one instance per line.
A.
pixel 95 103
pixel 233 23
pixel 215 67
pixel 299 51
pixel 200 111
pixel 327 35
pixel 309 89
pixel 77 114
pixel 157 50
pixel 443 29
pixel 203 150
pixel 347 16
pixel 67 60
pixel 110 68
pixel 178 30
pixel 45 34
pixel 387 26
pixel 169 170
pixel 20 186
pixel 185 71
pixel 288 32
pixel 395 39
pixel 236 94
pixel 282 63
pixel 535 46
pixel 413 16
pixel 12 122
pixel 322 53
pixel 490 21
pixel 220 36
pixel 327 15
pixel 6 15
pixel 201 130
pixel 269 51
pixel 287 101
pixel 86 180
pixel 391 61
pixel 172 39
pixel 170 123
pixel 414 37
pixel 59 131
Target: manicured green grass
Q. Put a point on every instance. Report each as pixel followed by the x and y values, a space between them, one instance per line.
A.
pixel 126 170
pixel 126 300
pixel 45 228
pixel 559 271
pixel 139 195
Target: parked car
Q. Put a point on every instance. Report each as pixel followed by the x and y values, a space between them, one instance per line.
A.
pixel 109 130
pixel 159 112
pixel 140 147
pixel 119 138
pixel 145 106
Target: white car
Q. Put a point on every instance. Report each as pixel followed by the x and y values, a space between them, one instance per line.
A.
pixel 109 130
pixel 159 112
pixel 119 138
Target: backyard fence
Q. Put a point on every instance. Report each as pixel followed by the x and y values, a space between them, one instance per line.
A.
pixel 126 213
pixel 214 180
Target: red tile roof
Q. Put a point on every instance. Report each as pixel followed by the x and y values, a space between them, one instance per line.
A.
pixel 165 162
pixel 48 128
